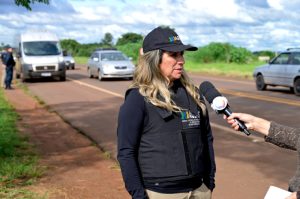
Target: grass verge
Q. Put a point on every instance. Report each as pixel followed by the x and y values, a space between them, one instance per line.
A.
pixel 18 162
pixel 81 60
pixel 224 69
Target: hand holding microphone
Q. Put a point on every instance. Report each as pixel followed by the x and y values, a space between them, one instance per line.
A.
pixel 219 103
pixel 248 120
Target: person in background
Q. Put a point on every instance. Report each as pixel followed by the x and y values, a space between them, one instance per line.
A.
pixel 165 143
pixel 3 68
pixel 277 134
pixel 9 62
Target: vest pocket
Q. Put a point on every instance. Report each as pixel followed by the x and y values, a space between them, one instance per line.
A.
pixel 162 155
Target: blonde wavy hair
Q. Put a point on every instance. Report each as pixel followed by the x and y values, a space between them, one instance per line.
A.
pixel 154 86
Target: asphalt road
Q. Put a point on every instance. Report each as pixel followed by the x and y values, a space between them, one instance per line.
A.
pixel 246 166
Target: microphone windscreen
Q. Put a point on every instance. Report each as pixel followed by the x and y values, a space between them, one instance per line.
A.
pixel 208 90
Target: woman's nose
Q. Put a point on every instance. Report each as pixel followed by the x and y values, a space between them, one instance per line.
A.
pixel 180 58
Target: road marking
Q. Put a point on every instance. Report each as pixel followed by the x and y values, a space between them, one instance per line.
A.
pixel 96 88
pixel 225 91
pixel 261 97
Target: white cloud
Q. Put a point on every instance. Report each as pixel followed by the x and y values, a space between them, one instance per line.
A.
pixel 215 8
pixel 254 24
pixel 279 34
pixel 276 4
pixel 94 13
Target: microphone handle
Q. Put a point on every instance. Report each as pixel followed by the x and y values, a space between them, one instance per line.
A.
pixel 242 126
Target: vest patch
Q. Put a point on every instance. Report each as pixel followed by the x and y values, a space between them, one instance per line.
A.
pixel 189 120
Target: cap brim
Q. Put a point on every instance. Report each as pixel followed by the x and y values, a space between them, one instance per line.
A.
pixel 179 48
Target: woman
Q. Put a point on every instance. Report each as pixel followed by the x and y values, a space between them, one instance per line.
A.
pixel 277 134
pixel 165 144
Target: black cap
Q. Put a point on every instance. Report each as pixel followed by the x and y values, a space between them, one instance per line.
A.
pixel 7 47
pixel 165 39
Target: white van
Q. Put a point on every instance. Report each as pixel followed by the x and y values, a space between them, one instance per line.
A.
pixel 40 56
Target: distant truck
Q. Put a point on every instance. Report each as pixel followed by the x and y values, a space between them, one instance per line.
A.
pixel 40 56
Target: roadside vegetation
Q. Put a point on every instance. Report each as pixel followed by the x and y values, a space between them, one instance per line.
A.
pixel 81 60
pixel 214 58
pixel 18 162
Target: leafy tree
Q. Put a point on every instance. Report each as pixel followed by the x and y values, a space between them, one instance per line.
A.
pixel 129 38
pixel 240 55
pixel 131 49
pixel 221 52
pixel 70 45
pixel 203 55
pixel 26 3
pixel 107 40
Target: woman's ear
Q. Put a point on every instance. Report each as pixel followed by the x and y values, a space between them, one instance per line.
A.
pixel 141 51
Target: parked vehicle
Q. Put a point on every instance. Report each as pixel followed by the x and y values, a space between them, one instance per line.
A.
pixel 283 70
pixel 109 63
pixel 40 56
pixel 68 60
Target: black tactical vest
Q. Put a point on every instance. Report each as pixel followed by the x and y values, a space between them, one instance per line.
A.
pixel 171 146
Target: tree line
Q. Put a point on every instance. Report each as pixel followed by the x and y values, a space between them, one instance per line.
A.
pixel 129 44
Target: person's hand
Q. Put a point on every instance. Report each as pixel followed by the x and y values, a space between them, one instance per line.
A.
pixel 292 196
pixel 246 118
pixel 251 122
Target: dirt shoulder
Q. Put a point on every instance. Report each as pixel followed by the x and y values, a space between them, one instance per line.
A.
pixel 76 168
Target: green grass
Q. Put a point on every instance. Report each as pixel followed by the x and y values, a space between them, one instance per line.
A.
pixel 18 162
pixel 19 194
pixel 225 69
pixel 81 60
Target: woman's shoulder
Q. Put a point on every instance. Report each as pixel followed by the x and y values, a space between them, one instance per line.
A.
pixel 133 93
pixel 133 99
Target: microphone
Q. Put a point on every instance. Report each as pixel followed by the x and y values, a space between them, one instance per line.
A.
pixel 219 103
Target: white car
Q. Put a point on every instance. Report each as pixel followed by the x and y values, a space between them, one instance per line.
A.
pixel 283 70
pixel 110 63
pixel 69 62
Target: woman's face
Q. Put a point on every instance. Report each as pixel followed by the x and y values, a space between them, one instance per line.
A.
pixel 171 65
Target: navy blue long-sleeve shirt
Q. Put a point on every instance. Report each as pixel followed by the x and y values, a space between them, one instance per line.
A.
pixel 130 126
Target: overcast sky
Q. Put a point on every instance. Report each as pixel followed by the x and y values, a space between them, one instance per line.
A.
pixel 253 24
